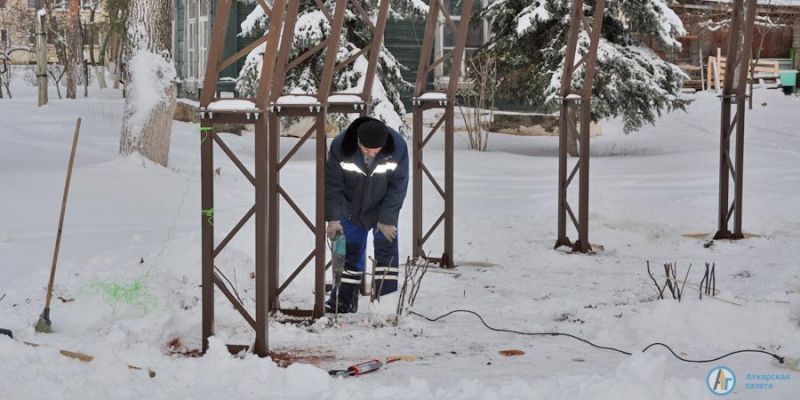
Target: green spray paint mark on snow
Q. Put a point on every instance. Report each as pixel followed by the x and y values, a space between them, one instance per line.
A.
pixel 134 294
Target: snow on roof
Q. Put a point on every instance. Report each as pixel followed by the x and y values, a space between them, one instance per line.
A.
pixel 292 99
pixel 344 98
pixel 433 96
pixel 232 105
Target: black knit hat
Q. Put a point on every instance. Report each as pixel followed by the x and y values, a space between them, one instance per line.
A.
pixel 372 134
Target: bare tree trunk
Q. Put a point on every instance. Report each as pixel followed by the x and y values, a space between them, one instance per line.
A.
pixel 73 49
pixel 41 59
pixel 118 51
pixel 99 69
pixel 84 59
pixel 150 99
pixel 54 36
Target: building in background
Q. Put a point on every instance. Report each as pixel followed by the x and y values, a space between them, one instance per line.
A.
pixel 777 33
pixel 18 26
pixel 192 24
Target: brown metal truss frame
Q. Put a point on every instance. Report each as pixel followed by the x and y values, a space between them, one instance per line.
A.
pixel 264 116
pixel 319 110
pixel 211 116
pixel 739 43
pixel 268 109
pixel 571 100
pixel 738 61
pixel 445 100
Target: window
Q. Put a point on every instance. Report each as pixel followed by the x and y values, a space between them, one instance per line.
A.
pixel 191 42
pixel 35 4
pixel 203 50
pixel 3 35
pixel 32 37
pixel 191 8
pixel 203 36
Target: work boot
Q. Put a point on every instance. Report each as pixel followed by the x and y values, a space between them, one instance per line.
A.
pixel 385 281
pixel 347 294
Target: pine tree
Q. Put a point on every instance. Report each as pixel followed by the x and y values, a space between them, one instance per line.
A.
pixel 529 41
pixel 312 27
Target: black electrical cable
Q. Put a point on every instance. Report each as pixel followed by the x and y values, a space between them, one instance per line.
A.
pixel 775 356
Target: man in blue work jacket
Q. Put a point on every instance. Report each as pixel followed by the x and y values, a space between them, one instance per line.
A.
pixel 365 186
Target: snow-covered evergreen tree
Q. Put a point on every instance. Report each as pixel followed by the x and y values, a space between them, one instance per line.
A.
pixel 312 27
pixel 632 81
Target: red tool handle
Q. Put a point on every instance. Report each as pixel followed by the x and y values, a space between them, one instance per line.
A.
pixel 364 367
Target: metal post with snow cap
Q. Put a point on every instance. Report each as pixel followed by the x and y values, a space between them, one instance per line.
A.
pixel 445 101
pixel 570 100
pixel 734 93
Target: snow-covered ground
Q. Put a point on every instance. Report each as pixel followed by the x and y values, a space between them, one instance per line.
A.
pixel 129 268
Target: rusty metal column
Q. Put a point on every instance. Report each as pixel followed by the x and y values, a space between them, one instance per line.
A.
pixel 567 124
pixel 738 62
pixel 273 210
pixel 261 346
pixel 319 259
pixel 741 96
pixel 416 180
pixel 449 184
pixel 207 170
pixel 725 123
pixel 583 244
pixel 444 100
pixel 213 111
pixel 264 280
pixel 207 227
pixel 418 123
pixel 563 127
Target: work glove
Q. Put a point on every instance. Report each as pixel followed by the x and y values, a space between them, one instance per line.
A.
pixel 388 231
pixel 333 228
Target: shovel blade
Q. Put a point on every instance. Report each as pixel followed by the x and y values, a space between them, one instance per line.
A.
pixel 43 325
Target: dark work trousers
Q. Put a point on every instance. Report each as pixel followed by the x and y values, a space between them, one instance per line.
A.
pixel 386 255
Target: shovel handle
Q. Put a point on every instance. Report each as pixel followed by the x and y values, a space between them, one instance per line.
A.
pixel 63 210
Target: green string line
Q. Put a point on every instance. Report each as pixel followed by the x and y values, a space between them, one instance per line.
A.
pixel 209 214
pixel 204 131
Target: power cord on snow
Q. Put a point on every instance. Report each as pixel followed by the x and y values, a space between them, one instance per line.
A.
pixel 775 356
